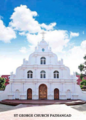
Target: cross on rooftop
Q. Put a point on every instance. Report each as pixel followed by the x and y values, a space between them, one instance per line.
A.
pixel 43 35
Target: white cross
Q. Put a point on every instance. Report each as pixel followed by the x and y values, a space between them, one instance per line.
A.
pixel 43 35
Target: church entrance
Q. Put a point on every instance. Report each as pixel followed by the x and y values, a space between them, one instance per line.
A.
pixel 29 94
pixel 43 92
pixel 56 94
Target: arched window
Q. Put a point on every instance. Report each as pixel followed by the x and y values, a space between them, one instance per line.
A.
pixel 42 74
pixel 43 60
pixel 29 74
pixel 56 74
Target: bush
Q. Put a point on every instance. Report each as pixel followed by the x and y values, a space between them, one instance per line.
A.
pixel 2 83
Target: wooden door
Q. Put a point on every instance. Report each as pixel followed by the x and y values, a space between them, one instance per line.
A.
pixel 29 94
pixel 56 94
pixel 42 92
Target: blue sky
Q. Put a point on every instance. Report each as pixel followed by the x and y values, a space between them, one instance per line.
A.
pixel 62 18
pixel 68 14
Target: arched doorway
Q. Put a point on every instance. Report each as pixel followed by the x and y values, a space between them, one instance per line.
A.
pixel 17 94
pixel 68 94
pixel 43 92
pixel 56 94
pixel 29 94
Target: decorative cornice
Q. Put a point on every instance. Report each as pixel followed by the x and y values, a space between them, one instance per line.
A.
pixel 43 80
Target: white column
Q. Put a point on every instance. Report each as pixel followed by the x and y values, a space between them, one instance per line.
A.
pixel 37 90
pixel 50 95
pixel 23 73
pixel 62 74
pixel 74 87
pixel 50 59
pixel 11 87
pixel 50 89
pixel 35 74
pixel 23 87
pixel 49 74
pixel 35 59
pixel 62 87
pixel 36 95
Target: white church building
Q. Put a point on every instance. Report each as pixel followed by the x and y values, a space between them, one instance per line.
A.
pixel 43 77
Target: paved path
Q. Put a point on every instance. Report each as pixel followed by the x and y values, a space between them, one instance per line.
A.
pixel 48 109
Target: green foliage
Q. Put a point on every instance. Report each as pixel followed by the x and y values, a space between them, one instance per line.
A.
pixel 85 57
pixel 83 82
pixel 85 62
pixel 2 83
pixel 81 67
pixel 83 79
pixel 81 76
pixel 81 86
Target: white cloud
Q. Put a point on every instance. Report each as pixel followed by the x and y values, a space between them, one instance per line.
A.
pixel 1 17
pixel 57 39
pixel 23 50
pixel 9 64
pixel 22 33
pixel 72 34
pixel 23 19
pixel 74 57
pixel 48 27
pixel 83 45
pixel 34 39
pixel 6 33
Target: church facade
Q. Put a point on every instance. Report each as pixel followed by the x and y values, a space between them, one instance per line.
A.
pixel 42 76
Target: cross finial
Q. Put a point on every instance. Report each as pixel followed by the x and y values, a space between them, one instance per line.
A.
pixel 43 35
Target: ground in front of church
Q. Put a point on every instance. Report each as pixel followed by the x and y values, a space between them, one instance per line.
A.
pixel 76 111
